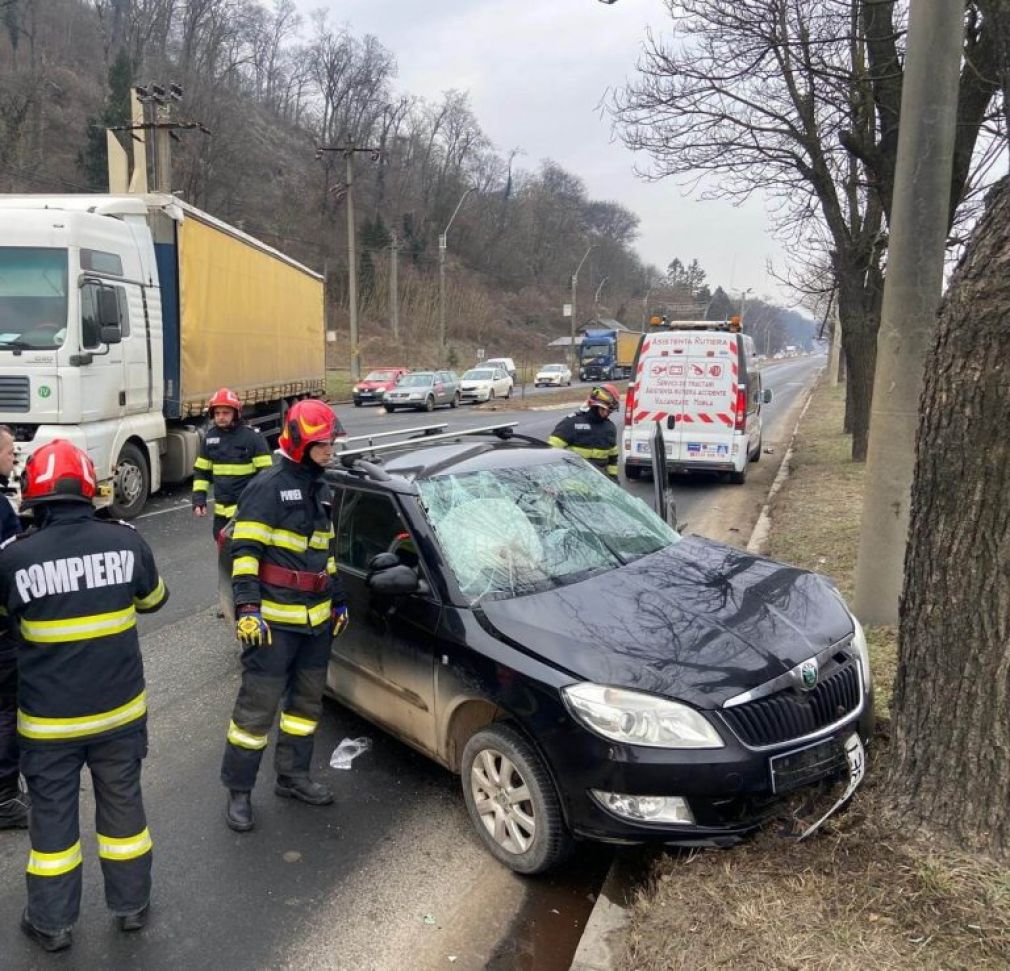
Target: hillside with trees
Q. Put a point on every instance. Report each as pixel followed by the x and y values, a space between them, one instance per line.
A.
pixel 270 88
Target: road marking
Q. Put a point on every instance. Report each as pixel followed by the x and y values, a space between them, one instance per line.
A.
pixel 161 512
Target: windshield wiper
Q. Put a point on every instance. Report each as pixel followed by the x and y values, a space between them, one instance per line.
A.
pixel 17 345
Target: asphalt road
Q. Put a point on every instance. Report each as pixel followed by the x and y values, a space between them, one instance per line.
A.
pixel 388 877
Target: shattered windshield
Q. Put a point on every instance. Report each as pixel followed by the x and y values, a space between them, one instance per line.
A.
pixel 509 532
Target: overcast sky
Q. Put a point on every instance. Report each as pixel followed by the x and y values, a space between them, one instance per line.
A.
pixel 536 71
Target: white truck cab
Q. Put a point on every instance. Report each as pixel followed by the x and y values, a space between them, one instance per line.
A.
pixel 700 380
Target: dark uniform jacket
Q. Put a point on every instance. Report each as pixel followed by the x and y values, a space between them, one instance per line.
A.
pixel 229 458
pixel 71 591
pixel 281 520
pixel 590 435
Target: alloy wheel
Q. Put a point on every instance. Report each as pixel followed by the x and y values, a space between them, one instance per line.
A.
pixel 502 800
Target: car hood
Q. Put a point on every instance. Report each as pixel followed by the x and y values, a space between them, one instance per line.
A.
pixel 697 621
pixel 376 385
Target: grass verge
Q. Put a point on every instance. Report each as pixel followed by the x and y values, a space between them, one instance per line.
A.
pixel 858 894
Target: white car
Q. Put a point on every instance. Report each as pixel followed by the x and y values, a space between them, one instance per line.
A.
pixel 484 384
pixel 553 374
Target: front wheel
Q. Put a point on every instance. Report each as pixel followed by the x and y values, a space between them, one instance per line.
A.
pixel 357 404
pixel 512 801
pixel 390 409
pixel 633 471
pixel 131 483
pixel 429 403
pixel 455 400
pixel 490 395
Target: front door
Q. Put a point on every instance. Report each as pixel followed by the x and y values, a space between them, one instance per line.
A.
pixel 384 664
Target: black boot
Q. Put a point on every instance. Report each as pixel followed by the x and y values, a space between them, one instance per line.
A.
pixel 56 941
pixel 14 810
pixel 314 793
pixel 239 814
pixel 134 921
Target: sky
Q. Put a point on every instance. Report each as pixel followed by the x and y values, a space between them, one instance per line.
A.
pixel 536 71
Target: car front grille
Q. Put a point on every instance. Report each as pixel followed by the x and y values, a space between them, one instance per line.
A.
pixel 14 392
pixel 792 714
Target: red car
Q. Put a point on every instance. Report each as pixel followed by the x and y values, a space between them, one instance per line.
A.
pixel 376 383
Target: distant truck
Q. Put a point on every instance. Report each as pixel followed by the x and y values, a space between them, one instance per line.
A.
pixel 121 314
pixel 607 355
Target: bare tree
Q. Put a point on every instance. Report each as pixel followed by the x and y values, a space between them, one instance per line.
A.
pixel 798 101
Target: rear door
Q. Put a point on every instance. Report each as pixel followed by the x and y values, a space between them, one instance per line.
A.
pixel 690 376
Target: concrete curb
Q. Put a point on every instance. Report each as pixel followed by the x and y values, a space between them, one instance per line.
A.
pixel 611 912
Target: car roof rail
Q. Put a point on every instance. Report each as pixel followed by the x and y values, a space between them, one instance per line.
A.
pixel 503 430
pixel 420 431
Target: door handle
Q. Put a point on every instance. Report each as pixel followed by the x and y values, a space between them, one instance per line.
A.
pixel 671 420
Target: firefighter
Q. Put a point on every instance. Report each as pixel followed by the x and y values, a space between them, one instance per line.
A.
pixel 13 802
pixel 72 588
pixel 231 454
pixel 289 604
pixel 589 432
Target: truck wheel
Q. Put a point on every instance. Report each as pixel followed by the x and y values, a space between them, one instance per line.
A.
pixel 633 471
pixel 131 483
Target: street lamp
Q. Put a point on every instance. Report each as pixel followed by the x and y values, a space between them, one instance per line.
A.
pixel 441 272
pixel 645 300
pixel 743 302
pixel 575 283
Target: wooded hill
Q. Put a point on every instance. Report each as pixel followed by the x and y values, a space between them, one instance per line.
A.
pixel 271 88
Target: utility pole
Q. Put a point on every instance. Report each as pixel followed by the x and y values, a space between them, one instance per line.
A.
pixel 912 291
pixel 574 364
pixel 348 151
pixel 596 299
pixel 442 242
pixel 394 291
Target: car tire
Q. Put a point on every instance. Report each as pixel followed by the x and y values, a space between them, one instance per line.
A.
pixel 508 394
pixel 490 395
pixel 633 471
pixel 389 409
pixel 357 404
pixel 455 401
pixel 529 836
pixel 429 403
pixel 738 478
pixel 131 483
pixel 756 456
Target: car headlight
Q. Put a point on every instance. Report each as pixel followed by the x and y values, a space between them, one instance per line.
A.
pixel 859 643
pixel 355 389
pixel 639 719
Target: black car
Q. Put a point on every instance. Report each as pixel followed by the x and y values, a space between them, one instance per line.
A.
pixel 589 672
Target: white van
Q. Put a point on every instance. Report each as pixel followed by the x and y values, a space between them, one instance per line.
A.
pixel 700 380
pixel 505 363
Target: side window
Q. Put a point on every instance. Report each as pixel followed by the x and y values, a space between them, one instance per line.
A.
pixel 91 329
pixel 369 524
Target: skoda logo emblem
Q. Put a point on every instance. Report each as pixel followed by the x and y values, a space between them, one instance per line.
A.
pixel 808 674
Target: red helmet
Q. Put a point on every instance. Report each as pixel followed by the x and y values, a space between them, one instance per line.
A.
pixel 604 396
pixel 225 398
pixel 59 470
pixel 306 423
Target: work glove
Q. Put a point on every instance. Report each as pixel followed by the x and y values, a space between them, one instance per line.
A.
pixel 200 507
pixel 250 627
pixel 339 618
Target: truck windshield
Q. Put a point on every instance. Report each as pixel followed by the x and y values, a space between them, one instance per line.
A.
pixel 33 297
pixel 590 351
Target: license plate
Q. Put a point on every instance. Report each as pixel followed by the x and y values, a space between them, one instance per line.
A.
pixel 855 758
pixel 806 765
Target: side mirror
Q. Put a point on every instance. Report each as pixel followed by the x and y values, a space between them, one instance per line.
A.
pixel 111 334
pixel 394 581
pixel 766 396
pixel 108 310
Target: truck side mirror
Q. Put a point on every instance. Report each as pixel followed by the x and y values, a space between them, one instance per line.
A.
pixel 766 396
pixel 111 334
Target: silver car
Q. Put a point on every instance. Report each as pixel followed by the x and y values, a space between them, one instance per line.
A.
pixel 423 390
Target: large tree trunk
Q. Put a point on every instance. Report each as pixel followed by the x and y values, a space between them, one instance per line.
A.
pixel 951 712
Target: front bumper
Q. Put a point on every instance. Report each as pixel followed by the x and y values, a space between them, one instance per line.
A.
pixel 680 466
pixel 368 397
pixel 474 396
pixel 729 791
